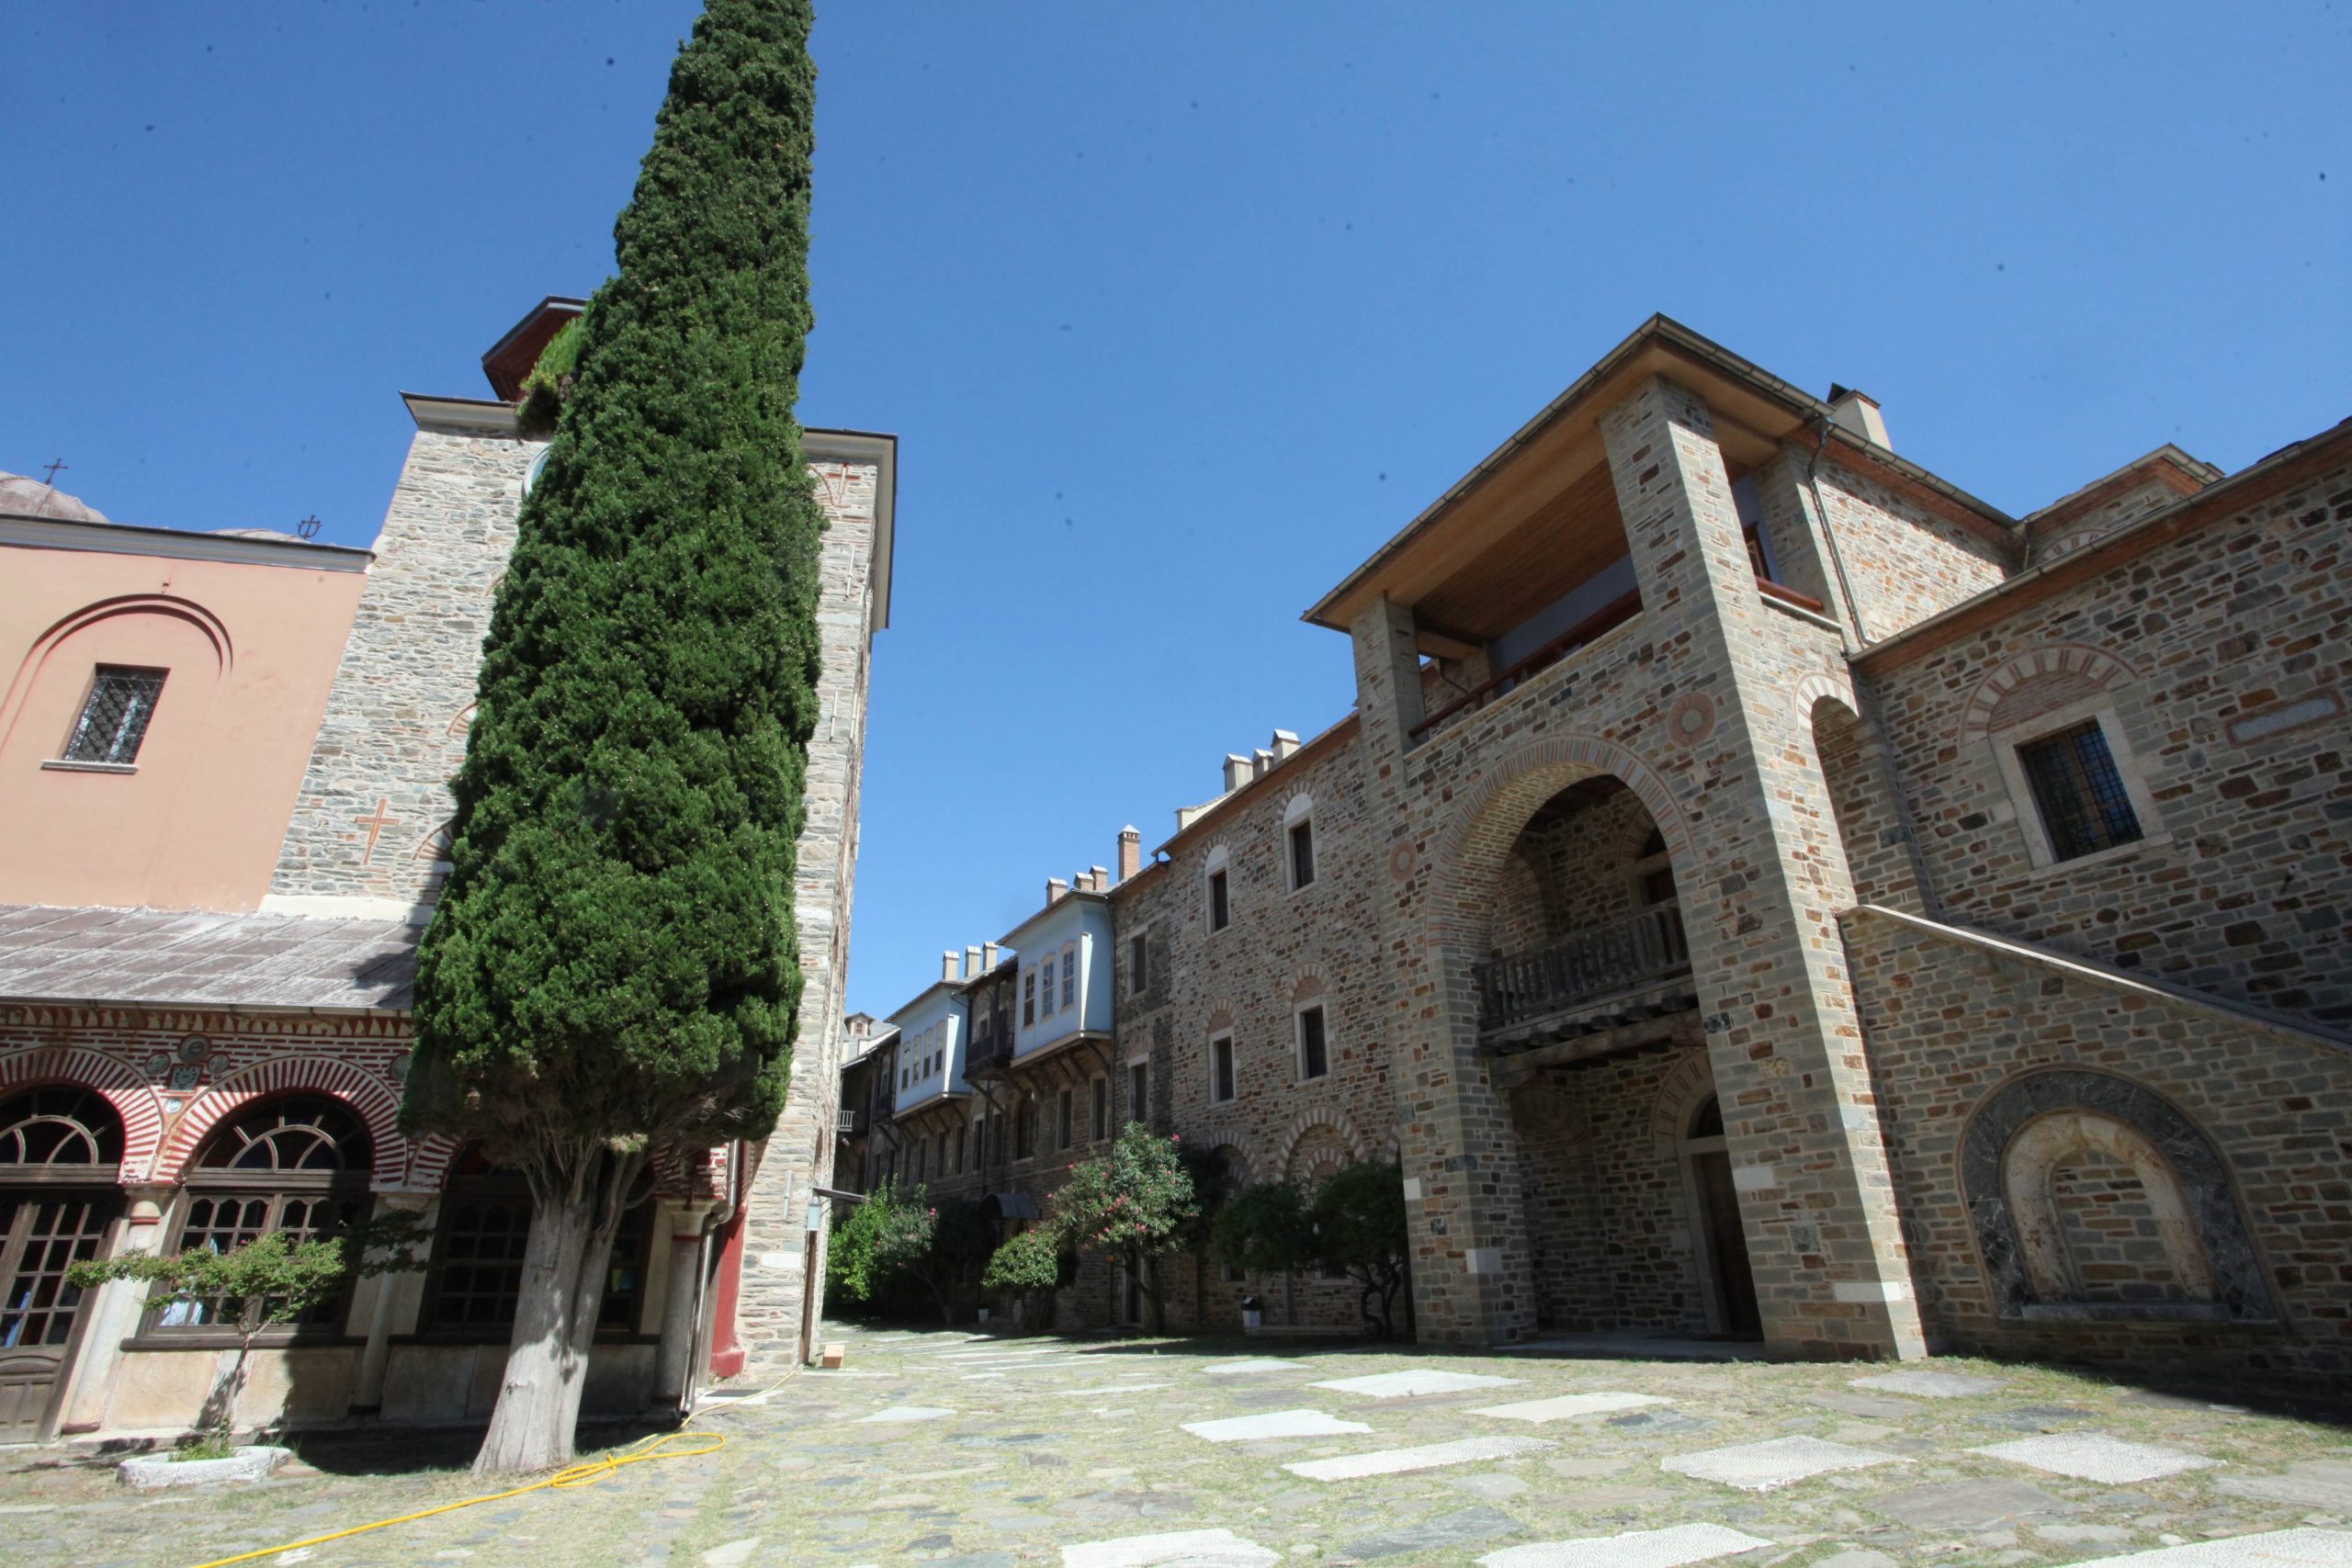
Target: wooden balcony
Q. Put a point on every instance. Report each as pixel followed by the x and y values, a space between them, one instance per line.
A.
pixel 1608 619
pixel 1624 959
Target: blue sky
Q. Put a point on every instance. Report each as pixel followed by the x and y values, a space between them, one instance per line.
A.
pixel 1179 311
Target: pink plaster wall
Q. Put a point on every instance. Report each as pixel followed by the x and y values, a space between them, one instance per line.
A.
pixel 251 651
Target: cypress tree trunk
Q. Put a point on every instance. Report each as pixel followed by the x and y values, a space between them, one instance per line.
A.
pixel 613 967
pixel 573 1218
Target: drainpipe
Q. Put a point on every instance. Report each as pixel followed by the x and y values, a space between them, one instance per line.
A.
pixel 1829 536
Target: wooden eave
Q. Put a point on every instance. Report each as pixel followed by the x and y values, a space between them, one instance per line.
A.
pixel 2282 471
pixel 1516 495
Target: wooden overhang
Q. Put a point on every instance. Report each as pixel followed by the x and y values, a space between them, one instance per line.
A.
pixel 1539 513
pixel 512 357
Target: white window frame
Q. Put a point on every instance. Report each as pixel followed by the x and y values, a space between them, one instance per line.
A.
pixel 1298 1039
pixel 1070 976
pixel 1233 1060
pixel 2027 811
pixel 1045 988
pixel 1299 813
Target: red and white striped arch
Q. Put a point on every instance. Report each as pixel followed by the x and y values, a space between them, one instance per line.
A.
pixel 133 1098
pixel 370 1096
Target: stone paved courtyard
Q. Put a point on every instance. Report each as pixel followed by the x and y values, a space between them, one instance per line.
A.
pixel 949 1449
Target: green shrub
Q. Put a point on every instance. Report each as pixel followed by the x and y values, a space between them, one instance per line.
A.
pixel 880 1239
pixel 549 381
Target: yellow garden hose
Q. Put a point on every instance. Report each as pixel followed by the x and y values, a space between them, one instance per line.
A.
pixel 586 1473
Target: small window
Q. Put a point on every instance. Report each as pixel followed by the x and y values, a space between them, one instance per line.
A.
pixel 2078 790
pixel 1221 1069
pixel 1139 966
pixel 1220 911
pixel 1313 1062
pixel 1064 1134
pixel 1028 998
pixel 963 1147
pixel 1100 1121
pixel 1024 1131
pixel 1138 1092
pixel 1302 855
pixel 1070 978
pixel 1045 990
pixel 1233 1276
pixel 115 716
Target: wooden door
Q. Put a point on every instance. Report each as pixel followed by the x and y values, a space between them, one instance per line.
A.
pixel 1734 1285
pixel 40 1235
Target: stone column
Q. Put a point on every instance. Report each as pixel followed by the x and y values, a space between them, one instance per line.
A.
pixel 1777 1003
pixel 112 1316
pixel 679 1294
pixel 385 1316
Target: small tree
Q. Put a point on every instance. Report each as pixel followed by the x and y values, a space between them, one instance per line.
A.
pixel 1132 1204
pixel 881 1239
pixel 272 1280
pixel 1264 1230
pixel 1029 1268
pixel 962 1233
pixel 1357 1220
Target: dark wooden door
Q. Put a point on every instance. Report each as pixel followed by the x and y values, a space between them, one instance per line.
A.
pixel 40 1235
pixel 1734 1285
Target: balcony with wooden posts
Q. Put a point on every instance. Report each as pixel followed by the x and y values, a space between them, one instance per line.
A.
pixel 1590 992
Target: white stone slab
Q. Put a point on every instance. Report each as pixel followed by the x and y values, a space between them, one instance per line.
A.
pixel 1634 1549
pixel 1404 1385
pixel 1569 1404
pixel 1235 1368
pixel 1177 1548
pixel 2273 1549
pixel 1273 1423
pixel 906 1413
pixel 1109 1388
pixel 2094 1455
pixel 1932 1385
pixel 1434 1456
pixel 1762 1467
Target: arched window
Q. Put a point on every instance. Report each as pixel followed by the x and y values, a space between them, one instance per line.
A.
pixel 60 1126
pixel 477 1271
pixel 298 1164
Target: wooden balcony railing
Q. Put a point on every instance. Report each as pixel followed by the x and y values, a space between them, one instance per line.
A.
pixel 1602 961
pixel 1608 618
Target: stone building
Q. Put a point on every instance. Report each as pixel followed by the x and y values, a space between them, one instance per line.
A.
pixel 1763 889
pixel 203 1030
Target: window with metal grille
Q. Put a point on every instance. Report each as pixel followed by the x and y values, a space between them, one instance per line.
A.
pixel 1313 1062
pixel 2079 792
pixel 114 718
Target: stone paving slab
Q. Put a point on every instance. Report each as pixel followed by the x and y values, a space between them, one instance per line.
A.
pixel 1968 1505
pixel 1243 1368
pixel 1420 1380
pixel 1932 1385
pixel 1568 1405
pixel 1635 1549
pixel 1431 1456
pixel 1175 1549
pixel 1780 1461
pixel 2275 1549
pixel 901 1413
pixel 2094 1455
pixel 1273 1423
pixel 2318 1483
pixel 1469 1527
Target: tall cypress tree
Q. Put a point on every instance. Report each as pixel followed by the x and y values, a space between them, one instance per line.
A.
pixel 613 973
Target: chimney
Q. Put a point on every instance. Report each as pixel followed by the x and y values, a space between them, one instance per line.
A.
pixel 989 952
pixel 971 964
pixel 1857 412
pixel 948 965
pixel 1285 742
pixel 1259 761
pixel 1055 888
pixel 1236 772
pixel 1130 851
pixel 1102 878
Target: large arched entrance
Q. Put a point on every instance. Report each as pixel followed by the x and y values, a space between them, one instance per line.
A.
pixel 61 1149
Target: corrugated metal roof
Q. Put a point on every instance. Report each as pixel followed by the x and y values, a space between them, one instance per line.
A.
pixel 161 958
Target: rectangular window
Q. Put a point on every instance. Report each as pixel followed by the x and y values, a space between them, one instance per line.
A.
pixel 1138 1092
pixel 1312 1061
pixel 114 716
pixel 1100 1118
pixel 963 1147
pixel 1302 855
pixel 1064 1135
pixel 1024 1131
pixel 1069 980
pixel 1221 1069
pixel 2079 792
pixel 1219 911
pixel 1139 966
pixel 1029 998
pixel 996 1139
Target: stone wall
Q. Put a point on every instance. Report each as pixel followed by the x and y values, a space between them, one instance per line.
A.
pixel 1905 559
